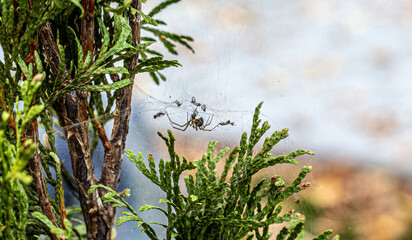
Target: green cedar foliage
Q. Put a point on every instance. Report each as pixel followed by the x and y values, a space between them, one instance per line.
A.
pixel 66 232
pixel 13 178
pixel 115 47
pixel 216 206
pixel 31 84
pixel 15 153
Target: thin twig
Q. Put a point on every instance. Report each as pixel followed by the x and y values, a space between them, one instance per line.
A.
pixel 100 130
pixel 36 168
pixel 113 159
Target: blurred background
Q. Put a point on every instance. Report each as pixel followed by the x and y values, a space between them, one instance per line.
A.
pixel 336 73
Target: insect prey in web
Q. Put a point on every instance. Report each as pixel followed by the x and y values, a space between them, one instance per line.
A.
pixel 178 103
pixel 159 114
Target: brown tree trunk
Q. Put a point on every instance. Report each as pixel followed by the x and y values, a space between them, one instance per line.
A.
pixel 36 172
pixel 73 112
pixel 113 158
pixel 99 217
pixel 36 169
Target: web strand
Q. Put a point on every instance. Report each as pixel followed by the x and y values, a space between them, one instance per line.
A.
pixel 151 109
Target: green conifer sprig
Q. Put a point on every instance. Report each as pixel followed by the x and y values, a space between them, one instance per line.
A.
pixel 214 207
pixel 162 6
pixel 13 178
pixel 66 231
pixel 114 49
pixel 164 36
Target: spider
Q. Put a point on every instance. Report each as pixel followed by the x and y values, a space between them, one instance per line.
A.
pixel 196 123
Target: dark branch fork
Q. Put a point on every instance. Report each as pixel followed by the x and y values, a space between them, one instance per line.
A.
pixel 73 111
pixel 113 158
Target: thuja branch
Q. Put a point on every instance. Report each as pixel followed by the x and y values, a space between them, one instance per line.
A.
pixel 73 111
pixel 35 165
pixel 46 35
pixel 210 206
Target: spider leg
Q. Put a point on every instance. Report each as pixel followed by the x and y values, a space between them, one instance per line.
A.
pixel 209 122
pixel 219 124
pixel 181 129
pixel 173 123
pixel 190 123
pixel 204 129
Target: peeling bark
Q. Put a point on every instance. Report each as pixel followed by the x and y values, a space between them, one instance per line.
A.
pixel 36 171
pixel 50 48
pixel 73 111
pixel 113 159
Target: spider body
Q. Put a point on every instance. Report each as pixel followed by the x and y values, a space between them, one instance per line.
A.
pixel 198 123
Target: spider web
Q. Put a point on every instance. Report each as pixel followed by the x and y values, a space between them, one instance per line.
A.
pixel 151 113
pixel 235 41
pixel 246 40
pixel 194 142
pixel 148 101
pixel 224 100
